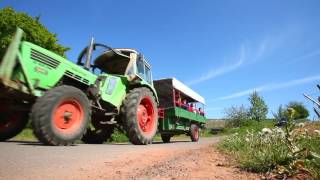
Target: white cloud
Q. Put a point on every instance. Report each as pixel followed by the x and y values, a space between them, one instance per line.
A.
pixel 270 87
pixel 308 55
pixel 221 70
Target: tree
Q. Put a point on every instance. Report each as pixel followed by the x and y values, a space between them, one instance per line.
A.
pixel 236 116
pixel 35 32
pixel 280 114
pixel 301 111
pixel 258 109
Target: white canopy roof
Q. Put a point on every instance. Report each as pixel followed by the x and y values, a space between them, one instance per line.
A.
pixel 178 85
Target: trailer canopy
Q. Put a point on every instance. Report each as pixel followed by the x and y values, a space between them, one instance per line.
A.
pixel 164 89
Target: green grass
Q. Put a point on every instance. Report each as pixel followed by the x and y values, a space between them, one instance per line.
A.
pixel 117 136
pixel 274 151
pixel 25 135
pixel 251 125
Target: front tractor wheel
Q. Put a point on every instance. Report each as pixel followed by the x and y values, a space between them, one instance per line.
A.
pixel 194 132
pixel 61 116
pixel 11 123
pixel 140 116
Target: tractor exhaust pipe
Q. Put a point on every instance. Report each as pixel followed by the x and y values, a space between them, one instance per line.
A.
pixel 89 54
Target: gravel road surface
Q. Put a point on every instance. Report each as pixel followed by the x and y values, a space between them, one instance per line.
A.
pixel 31 160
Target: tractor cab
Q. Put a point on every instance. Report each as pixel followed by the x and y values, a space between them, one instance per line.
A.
pixel 100 58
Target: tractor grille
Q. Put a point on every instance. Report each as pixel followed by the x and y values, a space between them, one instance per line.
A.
pixel 44 59
pixel 76 77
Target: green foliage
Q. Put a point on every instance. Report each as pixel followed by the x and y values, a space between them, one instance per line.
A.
pixel 301 111
pixel 251 125
pixel 236 116
pixel 118 136
pixel 284 152
pixel 258 109
pixel 35 32
pixel 280 114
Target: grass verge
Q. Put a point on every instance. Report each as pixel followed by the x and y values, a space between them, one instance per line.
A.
pixel 279 152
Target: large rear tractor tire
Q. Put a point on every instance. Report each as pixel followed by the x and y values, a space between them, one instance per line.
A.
pixel 165 138
pixel 11 123
pixel 61 116
pixel 194 132
pixel 140 116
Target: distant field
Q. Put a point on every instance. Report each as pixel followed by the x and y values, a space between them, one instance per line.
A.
pixel 215 123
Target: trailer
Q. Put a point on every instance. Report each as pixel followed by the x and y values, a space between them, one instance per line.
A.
pixel 178 112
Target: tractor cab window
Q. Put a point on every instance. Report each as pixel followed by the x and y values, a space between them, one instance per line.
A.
pixel 148 75
pixel 143 70
pixel 140 68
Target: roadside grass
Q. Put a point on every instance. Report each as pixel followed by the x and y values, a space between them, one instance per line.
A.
pixel 117 136
pixel 25 135
pixel 250 125
pixel 280 152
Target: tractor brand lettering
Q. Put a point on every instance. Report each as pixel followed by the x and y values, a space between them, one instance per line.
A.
pixel 41 70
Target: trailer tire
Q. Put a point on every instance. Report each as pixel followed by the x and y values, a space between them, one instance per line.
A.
pixel 166 138
pixel 11 123
pixel 98 136
pixel 61 116
pixel 140 116
pixel 194 132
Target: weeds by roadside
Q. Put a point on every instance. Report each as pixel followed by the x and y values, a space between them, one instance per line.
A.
pixel 281 152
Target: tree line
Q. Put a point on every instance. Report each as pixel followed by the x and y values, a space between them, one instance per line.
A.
pixel 240 115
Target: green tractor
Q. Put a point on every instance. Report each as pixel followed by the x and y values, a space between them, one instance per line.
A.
pixel 67 102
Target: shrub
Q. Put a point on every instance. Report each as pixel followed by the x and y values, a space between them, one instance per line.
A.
pixel 236 116
pixel 283 151
pixel 35 32
pixel 301 112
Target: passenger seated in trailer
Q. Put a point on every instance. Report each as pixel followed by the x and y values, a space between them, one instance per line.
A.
pixel 190 108
pixel 179 102
pixel 184 104
pixel 201 112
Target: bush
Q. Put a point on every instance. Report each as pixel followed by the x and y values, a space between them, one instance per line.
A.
pixel 118 136
pixel 280 114
pixel 301 112
pixel 236 116
pixel 285 152
pixel 35 32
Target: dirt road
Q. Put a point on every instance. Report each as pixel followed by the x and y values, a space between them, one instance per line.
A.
pixel 177 160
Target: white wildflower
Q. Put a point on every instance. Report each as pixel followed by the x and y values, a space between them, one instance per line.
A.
pixel 247 139
pixel 301 125
pixel 266 130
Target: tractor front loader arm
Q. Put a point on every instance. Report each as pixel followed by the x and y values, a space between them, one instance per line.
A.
pixel 11 57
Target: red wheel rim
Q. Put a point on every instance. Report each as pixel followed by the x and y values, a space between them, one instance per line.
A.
pixel 8 120
pixel 146 115
pixel 68 115
pixel 196 133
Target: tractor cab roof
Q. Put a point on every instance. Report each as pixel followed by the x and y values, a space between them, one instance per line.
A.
pixel 115 60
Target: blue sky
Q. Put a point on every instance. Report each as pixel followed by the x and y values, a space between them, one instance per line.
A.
pixel 222 49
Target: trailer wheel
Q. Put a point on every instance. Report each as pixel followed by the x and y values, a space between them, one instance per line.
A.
pixel 194 132
pixel 98 136
pixel 11 123
pixel 139 115
pixel 61 116
pixel 165 138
